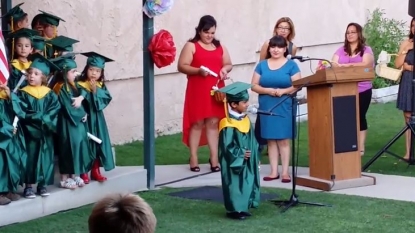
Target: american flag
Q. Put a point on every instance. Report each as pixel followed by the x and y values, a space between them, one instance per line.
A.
pixel 4 65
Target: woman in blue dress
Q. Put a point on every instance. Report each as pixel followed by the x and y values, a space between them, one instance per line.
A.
pixel 272 80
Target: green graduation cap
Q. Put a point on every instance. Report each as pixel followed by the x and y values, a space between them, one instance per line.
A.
pixel 49 18
pixel 24 32
pixel 96 60
pixel 237 91
pixel 15 14
pixel 38 43
pixel 63 43
pixel 41 63
pixel 65 62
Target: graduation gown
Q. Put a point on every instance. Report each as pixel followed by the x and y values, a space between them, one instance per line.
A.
pixel 75 155
pixel 94 104
pixel 240 177
pixel 39 125
pixel 16 73
pixel 12 146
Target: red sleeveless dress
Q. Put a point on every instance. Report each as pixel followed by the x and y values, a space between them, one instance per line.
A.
pixel 198 103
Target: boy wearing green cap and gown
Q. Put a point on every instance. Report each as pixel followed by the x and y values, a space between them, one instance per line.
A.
pixel 12 146
pixel 62 44
pixel 16 18
pixel 96 100
pixel 75 156
pixel 49 23
pixel 39 126
pixel 238 154
pixel 22 41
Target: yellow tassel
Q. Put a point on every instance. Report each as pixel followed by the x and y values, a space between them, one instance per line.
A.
pixel 11 24
pixel 12 30
pixel 225 102
pixel 12 49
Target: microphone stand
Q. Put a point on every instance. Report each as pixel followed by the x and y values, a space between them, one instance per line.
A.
pixel 293 201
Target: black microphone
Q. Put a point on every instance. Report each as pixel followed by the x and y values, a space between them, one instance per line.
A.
pixel 300 58
pixel 253 110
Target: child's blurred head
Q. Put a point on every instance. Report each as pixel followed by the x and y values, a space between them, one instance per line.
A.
pixel 237 96
pixel 94 69
pixel 39 70
pixel 49 24
pixel 22 41
pixel 17 18
pixel 68 66
pixel 120 213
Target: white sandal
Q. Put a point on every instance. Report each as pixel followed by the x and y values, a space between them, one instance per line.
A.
pixel 68 184
pixel 78 181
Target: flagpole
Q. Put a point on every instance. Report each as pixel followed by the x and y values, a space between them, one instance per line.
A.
pixel 6 5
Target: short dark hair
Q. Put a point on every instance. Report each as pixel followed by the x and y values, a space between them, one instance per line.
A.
pixel 277 41
pixel 120 213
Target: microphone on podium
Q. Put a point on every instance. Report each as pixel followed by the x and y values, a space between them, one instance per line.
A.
pixel 300 58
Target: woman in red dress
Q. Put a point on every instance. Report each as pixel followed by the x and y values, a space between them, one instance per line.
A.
pixel 202 112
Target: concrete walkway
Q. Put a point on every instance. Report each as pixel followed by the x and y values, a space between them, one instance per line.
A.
pixel 387 186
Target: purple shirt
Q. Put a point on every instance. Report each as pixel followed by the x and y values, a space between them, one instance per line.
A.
pixel 345 59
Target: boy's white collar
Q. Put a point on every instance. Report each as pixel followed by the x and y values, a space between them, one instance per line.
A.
pixel 235 114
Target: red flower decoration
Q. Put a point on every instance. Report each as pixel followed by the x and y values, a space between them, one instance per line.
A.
pixel 162 48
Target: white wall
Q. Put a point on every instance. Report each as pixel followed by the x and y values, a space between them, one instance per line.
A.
pixel 114 28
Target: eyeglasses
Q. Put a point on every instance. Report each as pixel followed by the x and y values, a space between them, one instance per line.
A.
pixel 283 29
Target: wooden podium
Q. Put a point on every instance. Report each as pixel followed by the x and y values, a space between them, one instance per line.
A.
pixel 333 128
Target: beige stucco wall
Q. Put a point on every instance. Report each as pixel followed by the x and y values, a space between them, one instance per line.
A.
pixel 113 28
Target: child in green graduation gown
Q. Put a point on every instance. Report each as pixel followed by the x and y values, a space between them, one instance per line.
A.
pixel 75 156
pixel 16 18
pixel 96 100
pixel 238 154
pixel 49 24
pixel 12 146
pixel 39 125
pixel 22 43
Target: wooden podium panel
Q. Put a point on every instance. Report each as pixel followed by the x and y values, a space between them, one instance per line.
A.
pixel 333 126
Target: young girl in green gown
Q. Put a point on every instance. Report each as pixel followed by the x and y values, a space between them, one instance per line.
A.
pixel 96 100
pixel 12 146
pixel 22 41
pixel 38 126
pixel 75 156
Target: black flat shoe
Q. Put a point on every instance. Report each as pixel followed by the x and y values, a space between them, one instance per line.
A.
pixel 236 215
pixel 246 214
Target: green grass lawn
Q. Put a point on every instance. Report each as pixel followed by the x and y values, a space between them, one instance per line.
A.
pixel 385 121
pixel 348 214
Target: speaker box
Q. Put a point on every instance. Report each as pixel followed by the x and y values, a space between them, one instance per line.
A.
pixel 345 124
pixel 411 8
